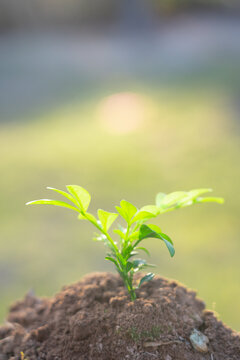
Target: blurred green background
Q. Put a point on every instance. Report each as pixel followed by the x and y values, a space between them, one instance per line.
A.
pixel 126 114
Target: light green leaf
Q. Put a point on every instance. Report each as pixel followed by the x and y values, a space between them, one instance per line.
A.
pixel 134 236
pixel 197 192
pixel 68 196
pixel 159 198
pixel 210 199
pixel 81 195
pixel 142 216
pixel 143 249
pixel 155 228
pixel 173 198
pixel 106 218
pixel 100 237
pixel 146 278
pixel 122 213
pixel 120 233
pixel 127 211
pixel 51 202
pixel 89 217
pixel 153 209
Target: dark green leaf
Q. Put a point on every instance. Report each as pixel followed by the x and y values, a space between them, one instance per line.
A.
pixel 129 266
pixel 138 263
pixel 146 232
pixel 133 253
pixel 146 278
pixel 109 258
pixel 168 243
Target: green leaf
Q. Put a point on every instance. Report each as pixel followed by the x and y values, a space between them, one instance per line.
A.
pixel 142 216
pixel 155 228
pixel 89 217
pixel 132 253
pixel 81 195
pixel 129 266
pixel 127 210
pixel 159 198
pixel 146 232
pixel 173 198
pixel 197 192
pixel 168 242
pixel 100 237
pixel 122 213
pixel 134 236
pixel 138 263
pixel 120 233
pixel 146 278
pixel 210 199
pixel 51 202
pixel 106 218
pixel 109 258
pixel 152 209
pixel 68 196
pixel 143 249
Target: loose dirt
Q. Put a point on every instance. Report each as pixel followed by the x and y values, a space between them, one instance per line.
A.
pixel 94 319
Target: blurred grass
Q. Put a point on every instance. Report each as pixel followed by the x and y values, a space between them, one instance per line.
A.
pixel 188 140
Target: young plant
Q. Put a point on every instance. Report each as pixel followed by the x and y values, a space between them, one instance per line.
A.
pixel 130 237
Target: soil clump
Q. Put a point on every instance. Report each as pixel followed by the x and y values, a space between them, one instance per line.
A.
pixel 94 319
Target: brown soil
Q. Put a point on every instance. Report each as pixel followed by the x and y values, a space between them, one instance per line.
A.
pixel 94 319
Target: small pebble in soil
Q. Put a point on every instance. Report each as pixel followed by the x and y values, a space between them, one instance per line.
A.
pixel 199 341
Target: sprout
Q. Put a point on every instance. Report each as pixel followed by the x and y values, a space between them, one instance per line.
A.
pixel 122 253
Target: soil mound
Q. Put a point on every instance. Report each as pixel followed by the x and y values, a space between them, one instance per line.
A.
pixel 94 319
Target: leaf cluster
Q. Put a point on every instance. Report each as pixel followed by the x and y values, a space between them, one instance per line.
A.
pixel 122 253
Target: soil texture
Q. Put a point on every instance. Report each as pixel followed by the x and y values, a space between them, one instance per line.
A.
pixel 94 319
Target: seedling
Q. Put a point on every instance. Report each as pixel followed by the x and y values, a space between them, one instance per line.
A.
pixel 122 252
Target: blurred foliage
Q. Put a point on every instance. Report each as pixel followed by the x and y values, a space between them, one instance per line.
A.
pixel 175 6
pixel 39 13
pixel 184 140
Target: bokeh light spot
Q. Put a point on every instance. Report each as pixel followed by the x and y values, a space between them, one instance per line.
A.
pixel 122 113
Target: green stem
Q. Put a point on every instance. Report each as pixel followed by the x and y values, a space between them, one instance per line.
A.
pixel 102 231
pixel 128 283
